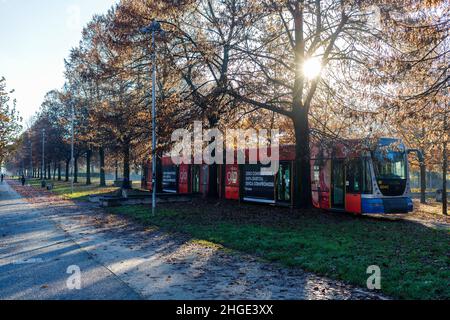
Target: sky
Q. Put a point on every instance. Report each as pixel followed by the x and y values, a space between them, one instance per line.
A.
pixel 35 38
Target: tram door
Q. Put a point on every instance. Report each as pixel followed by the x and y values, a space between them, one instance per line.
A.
pixel 284 182
pixel 353 186
pixel 195 179
pixel 338 184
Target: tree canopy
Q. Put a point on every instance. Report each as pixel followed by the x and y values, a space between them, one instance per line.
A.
pixel 312 68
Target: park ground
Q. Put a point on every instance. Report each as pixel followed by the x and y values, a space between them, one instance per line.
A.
pixel 214 250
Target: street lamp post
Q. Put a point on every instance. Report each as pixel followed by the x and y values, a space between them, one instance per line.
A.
pixel 154 28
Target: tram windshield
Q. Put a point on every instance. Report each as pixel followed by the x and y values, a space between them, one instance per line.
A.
pixel 392 165
pixel 389 163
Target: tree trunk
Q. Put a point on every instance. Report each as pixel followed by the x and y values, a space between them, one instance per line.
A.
pixel 302 185
pixel 423 182
pixel 59 170
pixel 144 177
pixel 444 172
pixel 55 167
pixel 212 182
pixel 102 167
pixel 49 171
pixel 126 167
pixel 75 170
pixel 212 169
pixel 67 170
pixel 88 167
pixel 159 172
pixel 117 171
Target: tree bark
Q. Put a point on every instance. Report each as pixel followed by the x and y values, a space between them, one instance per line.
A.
pixel 88 167
pixel 444 182
pixel 159 172
pixel 117 171
pixel 49 171
pixel 144 181
pixel 423 182
pixel 59 170
pixel 212 182
pixel 55 167
pixel 302 185
pixel 67 170
pixel 126 167
pixel 212 169
pixel 102 167
pixel 444 169
pixel 75 170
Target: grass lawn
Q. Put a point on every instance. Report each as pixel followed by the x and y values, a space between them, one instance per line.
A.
pixel 414 259
pixel 80 190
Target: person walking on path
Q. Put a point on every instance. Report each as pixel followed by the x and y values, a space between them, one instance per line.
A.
pixel 2 177
pixel 23 180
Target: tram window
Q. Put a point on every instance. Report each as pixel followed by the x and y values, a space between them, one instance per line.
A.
pixel 195 179
pixel 316 174
pixel 284 182
pixel 367 177
pixel 354 176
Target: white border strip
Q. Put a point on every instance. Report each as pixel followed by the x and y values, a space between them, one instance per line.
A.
pixel 258 200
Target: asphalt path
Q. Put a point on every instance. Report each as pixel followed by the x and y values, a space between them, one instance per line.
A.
pixel 39 261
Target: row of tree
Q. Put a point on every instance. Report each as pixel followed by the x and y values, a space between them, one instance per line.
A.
pixel 9 120
pixel 239 63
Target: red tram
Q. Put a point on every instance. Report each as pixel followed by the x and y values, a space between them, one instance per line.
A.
pixel 345 176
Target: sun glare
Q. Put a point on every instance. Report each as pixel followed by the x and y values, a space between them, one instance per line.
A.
pixel 312 68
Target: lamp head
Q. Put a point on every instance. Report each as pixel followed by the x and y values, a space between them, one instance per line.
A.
pixel 155 26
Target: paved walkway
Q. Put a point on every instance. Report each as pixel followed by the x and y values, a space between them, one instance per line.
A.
pixel 121 260
pixel 35 254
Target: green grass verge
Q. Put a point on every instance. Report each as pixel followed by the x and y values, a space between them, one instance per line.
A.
pixel 414 259
pixel 81 191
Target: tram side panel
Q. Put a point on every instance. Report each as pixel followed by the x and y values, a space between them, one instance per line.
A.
pixel 204 180
pixel 232 181
pixel 170 178
pixel 257 187
pixel 147 185
pixel 321 183
pixel 183 179
pixel 325 185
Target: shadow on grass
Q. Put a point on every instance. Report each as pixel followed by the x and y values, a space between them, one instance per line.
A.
pixel 414 260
